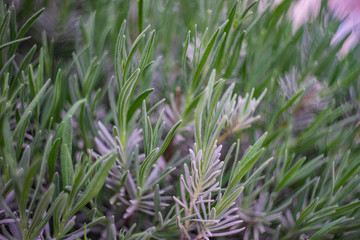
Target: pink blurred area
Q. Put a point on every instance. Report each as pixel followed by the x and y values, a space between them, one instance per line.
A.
pixel 349 12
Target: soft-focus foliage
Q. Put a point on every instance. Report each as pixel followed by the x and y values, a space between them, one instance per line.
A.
pixel 179 119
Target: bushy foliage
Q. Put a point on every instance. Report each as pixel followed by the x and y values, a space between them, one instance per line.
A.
pixel 178 120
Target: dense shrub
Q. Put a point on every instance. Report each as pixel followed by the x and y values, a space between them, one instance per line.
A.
pixel 179 119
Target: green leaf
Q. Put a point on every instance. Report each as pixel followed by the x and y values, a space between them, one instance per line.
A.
pixel 52 158
pixel 168 138
pixel 10 155
pixel 89 173
pixel 306 213
pixel 77 179
pixel 124 177
pixel 40 71
pixel 146 52
pixel 146 138
pixel 226 34
pixel 96 98
pixel 199 118
pixel 21 136
pixel 25 62
pixel 327 227
pixel 223 205
pixel 277 13
pixel 226 160
pixel 17 41
pixel 341 211
pixel 55 99
pixel 132 51
pixel 347 174
pixel 5 22
pixel 67 170
pixel 204 57
pixel 74 107
pixel 137 102
pixel 26 185
pixel 95 185
pixel 41 175
pixel 124 101
pixel 187 41
pixel 88 225
pixel 57 204
pixel 31 107
pixel 41 209
pixel 118 54
pixel 66 166
pixel 25 159
pixel 59 207
pixel 157 201
pixel 26 25
pixel 141 14
pixel 146 164
pixel 257 171
pixel 289 175
pixel 247 161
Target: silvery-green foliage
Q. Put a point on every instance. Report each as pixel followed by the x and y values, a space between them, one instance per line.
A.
pixel 312 100
pixel 239 112
pixel 201 183
pixel 112 114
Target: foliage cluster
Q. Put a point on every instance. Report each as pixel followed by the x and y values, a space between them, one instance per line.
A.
pixel 175 119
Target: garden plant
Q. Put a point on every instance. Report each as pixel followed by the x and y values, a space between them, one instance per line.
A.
pixel 179 119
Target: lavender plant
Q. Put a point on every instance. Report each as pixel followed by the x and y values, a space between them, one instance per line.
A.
pixel 179 119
